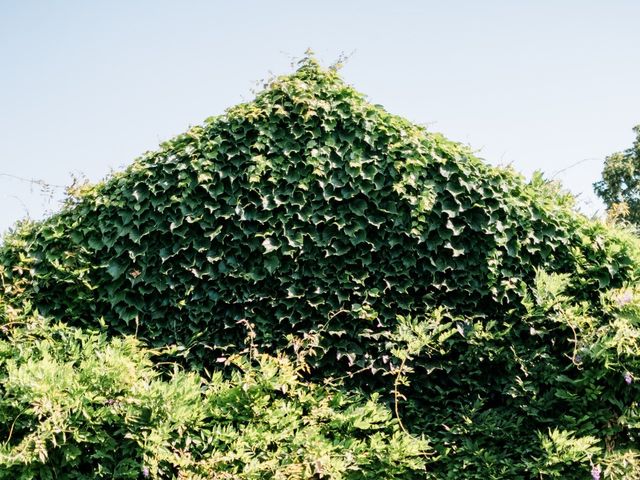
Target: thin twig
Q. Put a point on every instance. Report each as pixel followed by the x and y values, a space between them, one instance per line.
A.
pixel 396 395
pixel 32 181
pixel 580 162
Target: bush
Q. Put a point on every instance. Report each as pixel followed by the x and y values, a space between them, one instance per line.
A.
pixel 76 405
pixel 551 395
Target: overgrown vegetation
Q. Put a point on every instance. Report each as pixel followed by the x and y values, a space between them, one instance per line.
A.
pixel 76 405
pixel 483 311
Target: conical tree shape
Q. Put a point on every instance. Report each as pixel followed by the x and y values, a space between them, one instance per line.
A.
pixel 311 211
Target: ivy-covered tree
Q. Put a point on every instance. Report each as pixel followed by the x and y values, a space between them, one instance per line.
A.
pixel 482 311
pixel 620 184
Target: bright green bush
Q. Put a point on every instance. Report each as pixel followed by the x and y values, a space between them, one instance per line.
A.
pixel 488 314
pixel 75 405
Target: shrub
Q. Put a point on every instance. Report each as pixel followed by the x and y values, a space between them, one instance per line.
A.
pixel 77 405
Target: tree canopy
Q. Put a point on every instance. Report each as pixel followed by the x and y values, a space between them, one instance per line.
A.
pixel 619 188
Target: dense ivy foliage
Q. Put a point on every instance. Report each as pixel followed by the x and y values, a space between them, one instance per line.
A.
pixel 476 304
pixel 303 205
pixel 75 405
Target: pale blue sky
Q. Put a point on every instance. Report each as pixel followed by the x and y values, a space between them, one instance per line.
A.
pixel 86 87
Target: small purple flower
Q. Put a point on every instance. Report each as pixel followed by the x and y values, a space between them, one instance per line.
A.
pixel 595 472
pixel 624 298
pixel 145 472
pixel 578 358
pixel 628 378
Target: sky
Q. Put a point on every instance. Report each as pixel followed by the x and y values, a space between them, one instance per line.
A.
pixel 86 87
